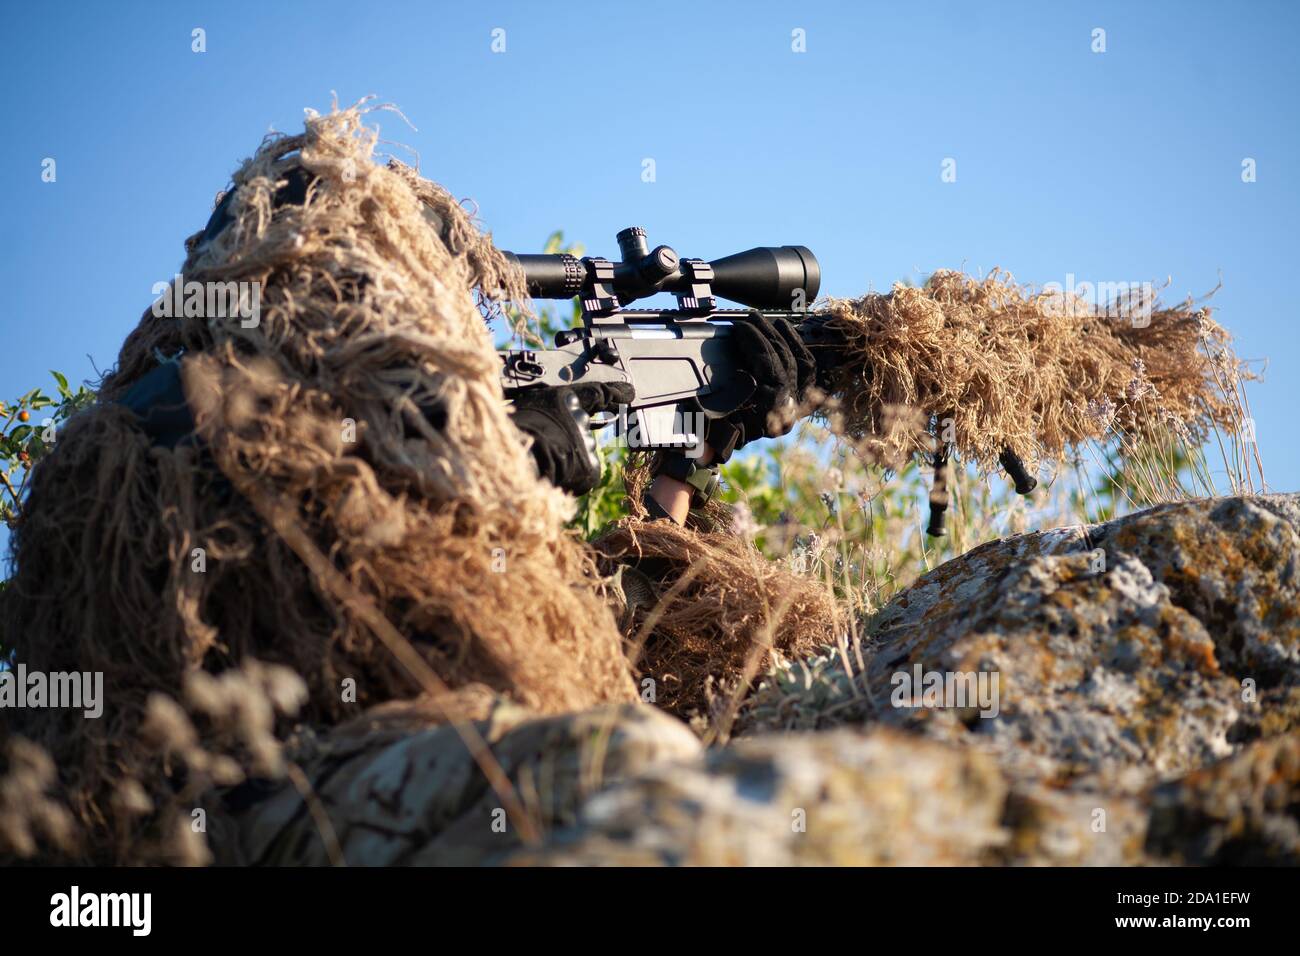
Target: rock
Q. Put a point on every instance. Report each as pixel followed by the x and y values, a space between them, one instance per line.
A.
pixel 1144 666
pixel 1136 649
pixel 1054 827
pixel 400 789
pixel 1140 705
pixel 839 798
pixel 1241 811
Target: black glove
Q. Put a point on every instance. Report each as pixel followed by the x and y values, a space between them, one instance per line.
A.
pixel 558 419
pixel 783 368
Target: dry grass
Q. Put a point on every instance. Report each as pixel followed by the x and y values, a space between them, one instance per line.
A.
pixel 721 612
pixel 330 556
pixel 993 366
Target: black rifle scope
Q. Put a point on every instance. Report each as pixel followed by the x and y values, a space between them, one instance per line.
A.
pixel 768 277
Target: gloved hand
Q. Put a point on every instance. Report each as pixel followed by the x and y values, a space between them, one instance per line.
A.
pixel 783 368
pixel 558 419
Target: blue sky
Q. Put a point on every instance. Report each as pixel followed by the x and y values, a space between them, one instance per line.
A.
pixel 1115 166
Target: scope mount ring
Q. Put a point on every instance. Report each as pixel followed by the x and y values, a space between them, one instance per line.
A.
pixel 698 296
pixel 598 295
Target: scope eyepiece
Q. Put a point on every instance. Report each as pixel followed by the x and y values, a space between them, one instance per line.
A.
pixel 559 276
pixel 767 277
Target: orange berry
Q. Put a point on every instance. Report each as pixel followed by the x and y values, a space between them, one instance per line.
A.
pixel 23 416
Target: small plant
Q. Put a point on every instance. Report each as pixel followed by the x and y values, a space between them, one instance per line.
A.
pixel 28 430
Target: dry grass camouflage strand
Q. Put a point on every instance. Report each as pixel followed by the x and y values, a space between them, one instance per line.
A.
pixel 717 612
pixel 366 323
pixel 1037 372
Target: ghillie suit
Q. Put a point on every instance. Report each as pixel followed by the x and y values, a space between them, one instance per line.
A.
pixel 705 613
pixel 993 366
pixel 356 474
